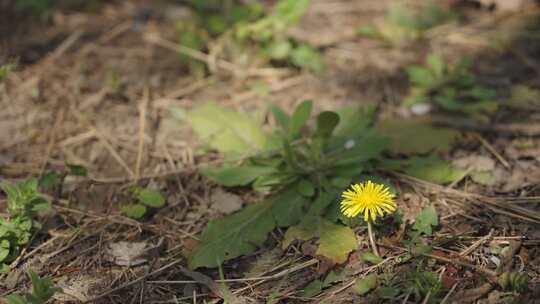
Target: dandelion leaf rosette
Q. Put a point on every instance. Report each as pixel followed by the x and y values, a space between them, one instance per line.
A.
pixel 243 232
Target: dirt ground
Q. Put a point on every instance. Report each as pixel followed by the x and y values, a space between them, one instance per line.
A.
pixel 99 88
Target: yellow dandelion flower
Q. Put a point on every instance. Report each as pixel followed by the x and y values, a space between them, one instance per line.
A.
pixel 368 198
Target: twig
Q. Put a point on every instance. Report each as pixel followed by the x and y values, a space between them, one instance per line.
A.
pixel 134 281
pixel 447 296
pixel 492 150
pixel 476 244
pixel 487 272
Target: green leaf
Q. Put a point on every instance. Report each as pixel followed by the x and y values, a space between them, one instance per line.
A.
pixel 332 277
pixel 281 117
pixel 425 220
pixel 388 292
pixel 5 247
pixel 16 299
pixel 39 204
pixel 323 200
pixel 304 56
pixel 327 121
pixel 230 176
pixel 5 69
pixel 341 181
pixel 243 232
pixel 366 284
pixel 77 170
pixel 279 49
pixel 436 65
pixel 353 121
pixel 150 198
pixel 370 257
pixel 136 211
pixel 420 76
pixel 227 131
pixel 433 169
pixel 300 117
pixel 50 180
pixel 313 289
pixel 290 11
pixel 417 136
pixel 335 241
pixel 355 151
pixel 306 188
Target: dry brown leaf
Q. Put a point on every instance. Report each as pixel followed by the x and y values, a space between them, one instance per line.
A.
pixel 130 253
pixel 225 202
pixel 475 163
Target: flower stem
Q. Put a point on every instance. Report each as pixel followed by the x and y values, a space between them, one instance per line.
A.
pixel 372 239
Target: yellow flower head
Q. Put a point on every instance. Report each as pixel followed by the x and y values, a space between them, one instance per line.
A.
pixel 368 198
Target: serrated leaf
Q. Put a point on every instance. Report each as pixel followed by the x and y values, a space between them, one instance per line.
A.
pixel 300 117
pixel 420 76
pixel 335 241
pixel 150 198
pixel 425 220
pixel 230 176
pixel 327 121
pixel 242 232
pixel 227 131
pixel 136 211
pixel 417 136
pixel 366 284
pixel 370 257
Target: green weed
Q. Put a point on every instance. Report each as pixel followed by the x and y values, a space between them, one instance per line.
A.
pixel 451 88
pixel 402 24
pixel 23 202
pixel 42 291
pixel 248 31
pixel 144 199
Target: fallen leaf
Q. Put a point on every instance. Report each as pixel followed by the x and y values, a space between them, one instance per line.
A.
pixel 366 284
pixel 130 253
pixel 225 202
pixel 335 241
